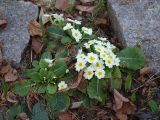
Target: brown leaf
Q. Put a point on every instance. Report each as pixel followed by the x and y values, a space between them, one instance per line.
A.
pixel 121 116
pixel 101 21
pixel 62 4
pixel 11 97
pixel 119 99
pixel 122 104
pixel 82 8
pixel 11 75
pixel 22 116
pixel 3 23
pixel 145 71
pixel 66 116
pixel 75 84
pixel 37 44
pixel 4 69
pixel 34 28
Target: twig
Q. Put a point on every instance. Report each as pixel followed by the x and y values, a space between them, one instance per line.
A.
pixel 147 82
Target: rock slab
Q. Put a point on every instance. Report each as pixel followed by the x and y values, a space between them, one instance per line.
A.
pixel 137 22
pixel 15 36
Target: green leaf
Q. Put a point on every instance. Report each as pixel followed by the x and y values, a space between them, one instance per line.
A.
pixel 13 112
pixel 46 55
pixel 116 84
pixel 153 106
pixel 43 73
pixel 43 63
pixel 39 111
pixel 133 97
pixel 59 102
pixel 51 88
pixel 59 69
pixel 35 63
pixel 66 40
pixel 85 100
pixel 42 89
pixel 132 58
pixel 95 89
pixel 116 73
pixel 108 73
pixel 22 89
pixel 62 53
pixel 128 82
pixel 35 76
pixel 55 32
pixel 5 87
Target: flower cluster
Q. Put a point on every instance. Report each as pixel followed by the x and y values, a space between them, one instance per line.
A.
pixel 100 56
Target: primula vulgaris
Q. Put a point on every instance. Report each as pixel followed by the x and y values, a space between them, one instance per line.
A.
pixel 92 58
pixel 88 73
pixel 76 34
pixel 100 73
pixel 74 21
pixel 58 18
pixel 97 59
pixel 67 27
pixel 62 85
pixel 80 64
pixel 87 30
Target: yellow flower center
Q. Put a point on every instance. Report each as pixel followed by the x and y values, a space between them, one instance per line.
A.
pixel 80 64
pixel 104 55
pixel 99 49
pixel 92 58
pixel 100 73
pixel 109 61
pixel 89 73
pixel 97 65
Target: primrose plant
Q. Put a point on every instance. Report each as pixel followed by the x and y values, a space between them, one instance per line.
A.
pixel 101 63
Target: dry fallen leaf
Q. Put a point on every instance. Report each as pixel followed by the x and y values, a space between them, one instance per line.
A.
pixel 144 71
pixel 3 23
pixel 66 116
pixel 122 104
pixel 11 97
pixel 34 28
pixel 5 68
pixel 121 116
pixel 82 8
pixel 62 4
pixel 101 21
pixel 22 116
pixel 37 44
pixel 11 75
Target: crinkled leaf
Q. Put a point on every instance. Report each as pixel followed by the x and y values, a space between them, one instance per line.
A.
pixel 66 40
pixel 59 102
pixel 117 73
pixel 13 112
pixel 51 89
pixel 23 88
pixel 42 89
pixel 62 53
pixel 59 69
pixel 39 111
pixel 46 55
pixel 116 84
pixel 55 32
pixel 43 63
pixel 153 106
pixel 132 58
pixel 128 82
pixel 108 73
pixel 95 89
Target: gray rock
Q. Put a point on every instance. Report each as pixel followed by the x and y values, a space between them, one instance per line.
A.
pixel 137 22
pixel 15 36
